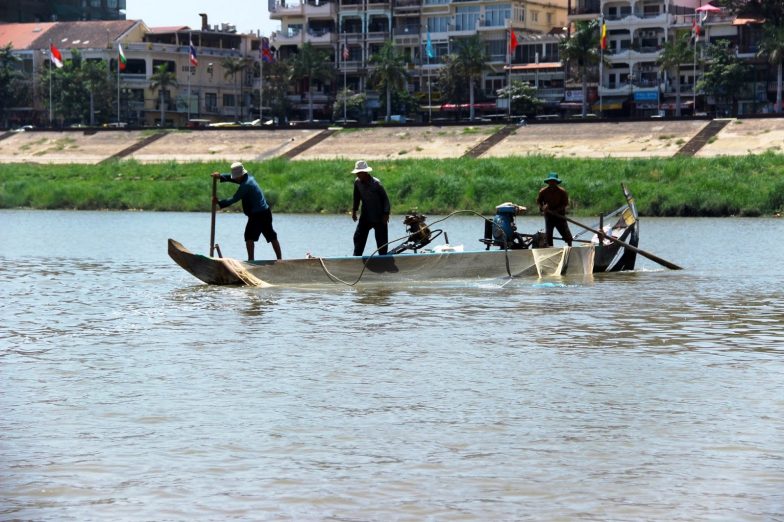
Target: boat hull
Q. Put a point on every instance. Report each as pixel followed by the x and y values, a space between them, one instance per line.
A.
pixel 391 269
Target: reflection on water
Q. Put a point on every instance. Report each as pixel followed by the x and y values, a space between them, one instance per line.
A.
pixel 128 390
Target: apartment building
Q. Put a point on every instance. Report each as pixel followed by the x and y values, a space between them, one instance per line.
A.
pixel 637 30
pixel 21 11
pixel 363 26
pixel 206 91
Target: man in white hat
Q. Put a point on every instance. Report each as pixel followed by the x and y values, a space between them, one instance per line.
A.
pixel 254 205
pixel 375 209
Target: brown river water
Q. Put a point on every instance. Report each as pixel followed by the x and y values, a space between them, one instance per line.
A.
pixel 131 391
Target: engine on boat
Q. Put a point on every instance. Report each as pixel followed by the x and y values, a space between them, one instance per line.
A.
pixel 419 234
pixel 502 232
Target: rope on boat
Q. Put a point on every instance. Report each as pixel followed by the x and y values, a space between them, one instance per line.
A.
pixel 336 279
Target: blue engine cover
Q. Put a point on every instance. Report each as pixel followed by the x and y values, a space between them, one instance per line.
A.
pixel 503 224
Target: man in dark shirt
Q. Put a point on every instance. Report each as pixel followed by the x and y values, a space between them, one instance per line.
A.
pixel 375 209
pixel 254 205
pixel 553 199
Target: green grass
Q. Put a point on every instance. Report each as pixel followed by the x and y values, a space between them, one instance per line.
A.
pixel 745 186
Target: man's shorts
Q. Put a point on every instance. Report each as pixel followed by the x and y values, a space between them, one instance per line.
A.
pixel 260 223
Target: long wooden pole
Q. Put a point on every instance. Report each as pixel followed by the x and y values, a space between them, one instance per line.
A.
pixel 657 259
pixel 214 210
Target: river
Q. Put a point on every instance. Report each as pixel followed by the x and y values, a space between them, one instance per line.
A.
pixel 131 391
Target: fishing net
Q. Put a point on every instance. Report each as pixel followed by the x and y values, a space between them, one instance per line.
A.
pixel 237 268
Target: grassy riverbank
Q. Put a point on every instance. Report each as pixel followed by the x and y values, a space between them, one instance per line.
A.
pixel 724 186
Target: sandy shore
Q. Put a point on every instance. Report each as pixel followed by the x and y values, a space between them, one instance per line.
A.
pixel 595 139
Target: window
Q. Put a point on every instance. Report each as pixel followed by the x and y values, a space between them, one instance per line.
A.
pixel 534 16
pixel 497 15
pixel 228 100
pixel 466 18
pixel 211 101
pixel 549 18
pixel 438 24
pixel 496 50
pixel 433 2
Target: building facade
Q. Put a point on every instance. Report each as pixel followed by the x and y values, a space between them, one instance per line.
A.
pixel 633 83
pixel 361 27
pixel 208 91
pixel 21 11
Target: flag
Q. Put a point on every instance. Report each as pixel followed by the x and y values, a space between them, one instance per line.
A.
pixel 192 53
pixel 121 57
pixel 512 43
pixel 345 53
pixel 266 52
pixel 55 56
pixel 696 29
pixel 429 47
pixel 603 40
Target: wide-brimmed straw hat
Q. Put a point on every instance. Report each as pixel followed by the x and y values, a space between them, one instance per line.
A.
pixel 361 166
pixel 552 177
pixel 237 170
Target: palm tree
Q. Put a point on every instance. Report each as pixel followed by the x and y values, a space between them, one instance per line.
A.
pixel 675 53
pixel 389 72
pixel 161 79
pixel 582 48
pixel 311 64
pixel 772 46
pixel 231 67
pixel 8 76
pixel 470 60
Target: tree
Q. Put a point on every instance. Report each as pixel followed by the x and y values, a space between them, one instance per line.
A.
pixel 725 74
pixel 161 79
pixel 232 66
pixel 582 49
pixel 675 53
pixel 389 72
pixel 524 99
pixel 354 105
pixel 771 10
pixel 96 79
pixel 470 60
pixel 9 77
pixel 311 64
pixel 772 47
pixel 450 84
pixel 277 78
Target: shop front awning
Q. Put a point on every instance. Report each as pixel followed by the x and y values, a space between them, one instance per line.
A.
pixel 748 21
pixel 609 103
pixel 670 106
pixel 533 66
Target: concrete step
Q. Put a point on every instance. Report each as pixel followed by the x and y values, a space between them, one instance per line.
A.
pixel 701 138
pixel 136 146
pixel 305 145
pixel 490 141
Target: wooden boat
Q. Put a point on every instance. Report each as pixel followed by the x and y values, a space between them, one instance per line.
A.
pixel 425 266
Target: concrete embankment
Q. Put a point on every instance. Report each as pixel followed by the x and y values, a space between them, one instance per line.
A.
pixel 639 139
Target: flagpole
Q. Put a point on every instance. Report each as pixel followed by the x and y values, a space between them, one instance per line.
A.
pixel 51 116
pixel 190 42
pixel 261 86
pixel 509 75
pixel 118 87
pixel 345 71
pixel 694 76
pixel 429 94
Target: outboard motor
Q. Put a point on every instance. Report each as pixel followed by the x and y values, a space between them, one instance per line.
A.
pixel 502 230
pixel 419 234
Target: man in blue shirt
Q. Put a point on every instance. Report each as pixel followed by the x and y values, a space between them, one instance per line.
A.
pixel 254 205
pixel 375 209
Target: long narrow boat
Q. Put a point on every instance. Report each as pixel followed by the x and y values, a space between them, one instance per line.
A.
pixel 439 264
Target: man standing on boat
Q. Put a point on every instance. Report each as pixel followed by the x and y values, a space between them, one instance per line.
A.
pixel 375 209
pixel 254 205
pixel 553 201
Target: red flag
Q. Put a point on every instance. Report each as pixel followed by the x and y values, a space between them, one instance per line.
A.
pixel 192 54
pixel 604 35
pixel 56 57
pixel 512 43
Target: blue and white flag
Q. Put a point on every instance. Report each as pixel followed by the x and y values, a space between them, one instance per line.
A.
pixel 429 47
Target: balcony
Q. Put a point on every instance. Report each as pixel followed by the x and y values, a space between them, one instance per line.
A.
pixel 408 30
pixel 291 37
pixel 319 9
pixel 281 10
pixel 408 5
pixel 623 89
pixel 320 37
pixel 586 9
pixel 377 36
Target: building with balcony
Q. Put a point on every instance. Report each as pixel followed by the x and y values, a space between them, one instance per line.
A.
pixel 363 26
pixel 632 81
pixel 207 91
pixel 21 11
